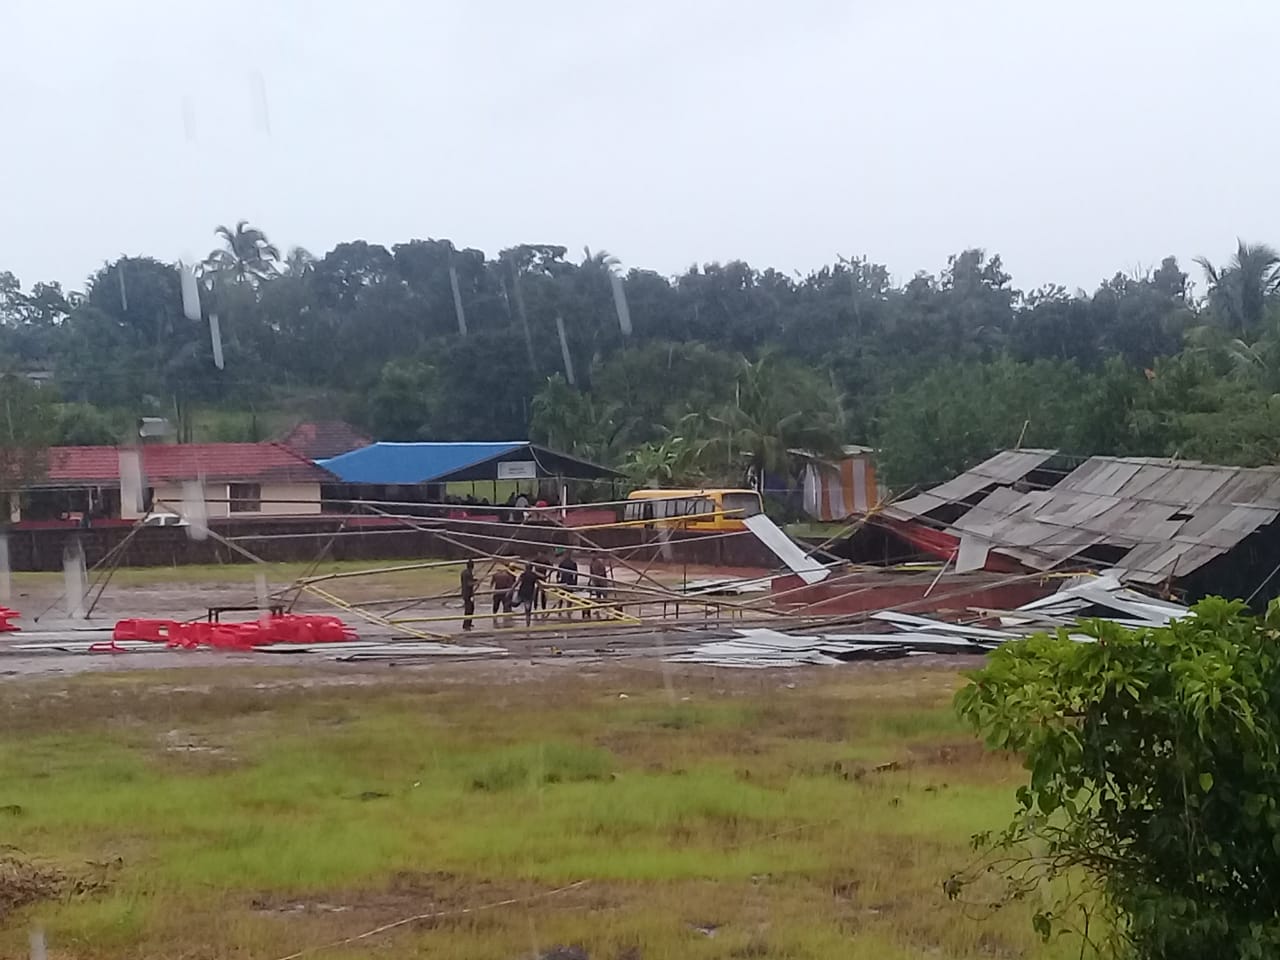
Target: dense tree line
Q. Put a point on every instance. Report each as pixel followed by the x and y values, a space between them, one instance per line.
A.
pixel 723 369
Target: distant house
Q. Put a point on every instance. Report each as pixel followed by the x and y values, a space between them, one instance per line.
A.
pixel 239 480
pixel 836 490
pixel 321 439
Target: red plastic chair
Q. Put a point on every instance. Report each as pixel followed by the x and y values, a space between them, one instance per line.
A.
pixel 157 631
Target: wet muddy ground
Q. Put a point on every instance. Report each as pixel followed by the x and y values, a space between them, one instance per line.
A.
pixel 556 640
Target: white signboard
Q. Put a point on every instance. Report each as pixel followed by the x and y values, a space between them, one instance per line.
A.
pixel 517 470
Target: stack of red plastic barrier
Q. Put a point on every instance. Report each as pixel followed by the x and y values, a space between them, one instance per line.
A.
pixel 283 628
pixel 6 615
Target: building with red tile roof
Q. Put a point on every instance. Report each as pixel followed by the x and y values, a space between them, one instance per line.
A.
pixel 321 439
pixel 240 479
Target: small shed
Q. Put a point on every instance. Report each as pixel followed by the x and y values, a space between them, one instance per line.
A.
pixel 420 472
pixel 833 491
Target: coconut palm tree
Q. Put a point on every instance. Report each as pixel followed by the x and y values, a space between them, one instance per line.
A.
pixel 779 406
pixel 1240 292
pixel 246 255
pixel 299 261
pixel 670 460
pixel 1257 363
pixel 567 419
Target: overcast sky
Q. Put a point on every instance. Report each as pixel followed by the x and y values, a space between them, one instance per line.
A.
pixel 1075 138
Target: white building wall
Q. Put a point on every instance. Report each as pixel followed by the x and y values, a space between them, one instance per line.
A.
pixel 278 500
pixel 298 499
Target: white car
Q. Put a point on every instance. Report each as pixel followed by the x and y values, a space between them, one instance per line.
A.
pixel 164 520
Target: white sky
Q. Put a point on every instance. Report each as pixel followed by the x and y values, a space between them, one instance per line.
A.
pixel 1074 137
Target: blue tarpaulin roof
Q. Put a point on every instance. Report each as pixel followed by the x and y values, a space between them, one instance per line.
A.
pixel 410 463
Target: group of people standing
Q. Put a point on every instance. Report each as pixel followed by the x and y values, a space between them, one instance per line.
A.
pixel 529 589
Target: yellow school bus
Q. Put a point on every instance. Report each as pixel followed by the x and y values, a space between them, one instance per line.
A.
pixel 700 509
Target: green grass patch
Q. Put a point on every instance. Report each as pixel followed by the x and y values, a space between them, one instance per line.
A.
pixel 253 822
pixel 535 765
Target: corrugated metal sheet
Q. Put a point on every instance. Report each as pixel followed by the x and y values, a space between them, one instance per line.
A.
pixel 786 549
pixel 836 491
pixel 1171 516
pixel 1007 467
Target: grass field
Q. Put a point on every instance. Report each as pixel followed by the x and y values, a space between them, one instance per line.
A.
pixel 256 814
pixel 276 573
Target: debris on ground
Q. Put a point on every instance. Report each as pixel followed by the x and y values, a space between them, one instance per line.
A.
pixel 909 634
pixel 883 634
pixel 23 882
pixel 564 953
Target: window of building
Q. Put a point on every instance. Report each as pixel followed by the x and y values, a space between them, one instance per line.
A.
pixel 245 497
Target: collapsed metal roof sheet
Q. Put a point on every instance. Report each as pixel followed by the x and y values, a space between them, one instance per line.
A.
pixel 1006 467
pixel 1170 516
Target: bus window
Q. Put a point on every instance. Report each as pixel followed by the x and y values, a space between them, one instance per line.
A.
pixel 746 505
pixel 696 510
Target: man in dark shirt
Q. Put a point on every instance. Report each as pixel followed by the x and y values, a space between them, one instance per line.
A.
pixel 504 582
pixel 566 577
pixel 527 587
pixel 468 583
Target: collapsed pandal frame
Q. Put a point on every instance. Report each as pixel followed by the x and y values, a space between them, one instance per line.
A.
pixel 645 592
pixel 643 603
pixel 639 596
pixel 622 594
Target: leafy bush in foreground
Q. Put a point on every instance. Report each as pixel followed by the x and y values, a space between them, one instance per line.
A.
pixel 1154 759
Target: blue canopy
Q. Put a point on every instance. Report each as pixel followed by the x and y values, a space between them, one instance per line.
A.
pixel 413 463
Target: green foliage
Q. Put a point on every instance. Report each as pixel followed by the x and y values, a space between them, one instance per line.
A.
pixel 742 363
pixel 725 417
pixel 1241 293
pixel 82 425
pixel 566 419
pixel 672 461
pixel 779 405
pixel 1154 761
pixel 959 413
pixel 28 425
pixel 246 255
pixel 400 405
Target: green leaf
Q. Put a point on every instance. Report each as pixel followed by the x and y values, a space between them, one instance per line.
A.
pixel 1206 781
pixel 1047 800
pixel 1042 923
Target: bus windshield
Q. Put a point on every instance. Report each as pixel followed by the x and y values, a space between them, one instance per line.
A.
pixel 745 505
